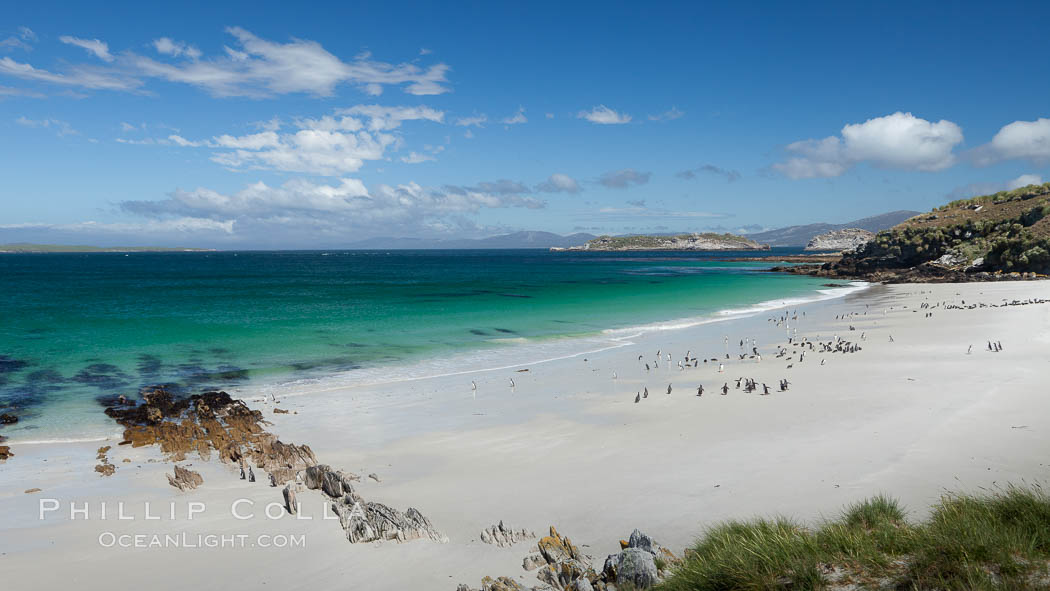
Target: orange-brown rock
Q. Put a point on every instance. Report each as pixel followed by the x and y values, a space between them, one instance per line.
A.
pixel 105 469
pixel 206 423
pixel 5 452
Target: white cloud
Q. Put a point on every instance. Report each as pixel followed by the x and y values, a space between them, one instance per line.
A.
pixel 302 210
pixel 518 117
pixel 386 118
pixel 559 183
pixel 668 115
pixel 255 68
pixel 729 174
pixel 61 127
pixel 1023 181
pixel 167 46
pixel 604 115
pixel 475 120
pixel 11 91
pixel 1018 140
pixel 900 141
pixel 329 145
pixel 83 76
pixel 416 158
pixel 622 179
pixel 180 225
pixel 99 48
pixel 26 34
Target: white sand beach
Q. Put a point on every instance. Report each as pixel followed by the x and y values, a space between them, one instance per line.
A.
pixel 568 446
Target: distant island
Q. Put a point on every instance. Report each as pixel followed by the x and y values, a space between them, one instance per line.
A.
pixel 23 247
pixel 844 239
pixel 706 241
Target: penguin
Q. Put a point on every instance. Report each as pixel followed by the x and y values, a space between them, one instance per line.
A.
pixel 668 389
pixel 725 388
pixel 637 397
pixel 700 390
pixel 251 475
pixel 645 394
pixel 242 473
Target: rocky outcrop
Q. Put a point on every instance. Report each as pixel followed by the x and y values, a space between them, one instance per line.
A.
pixel 206 423
pixel 707 241
pixel 291 504
pixel 8 419
pixel 365 521
pixel 185 479
pixel 503 536
pixel 104 467
pixel 639 565
pixel 5 453
pixel 844 239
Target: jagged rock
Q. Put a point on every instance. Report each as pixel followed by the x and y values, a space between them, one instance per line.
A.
pixel 641 541
pixel 950 260
pixel 368 521
pixel 556 548
pixel 185 479
pixel 105 469
pixel 564 574
pixel 202 423
pixel 290 502
pixel 314 474
pixel 532 562
pixel 8 419
pixel 498 584
pixel 636 567
pixel 30 491
pixel 5 452
pixel 279 411
pixel 582 584
pixel 503 536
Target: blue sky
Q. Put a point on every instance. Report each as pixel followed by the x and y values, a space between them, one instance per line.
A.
pixel 271 125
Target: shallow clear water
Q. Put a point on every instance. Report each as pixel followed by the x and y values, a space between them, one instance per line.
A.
pixel 76 327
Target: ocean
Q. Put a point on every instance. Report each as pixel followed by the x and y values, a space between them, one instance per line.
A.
pixel 76 328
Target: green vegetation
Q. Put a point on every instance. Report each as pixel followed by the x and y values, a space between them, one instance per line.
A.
pixel 1009 230
pixel 26 247
pixel 999 540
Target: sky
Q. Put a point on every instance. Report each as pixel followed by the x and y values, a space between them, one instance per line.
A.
pixel 278 125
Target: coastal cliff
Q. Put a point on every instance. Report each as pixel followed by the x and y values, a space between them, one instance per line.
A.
pixel 844 239
pixel 706 241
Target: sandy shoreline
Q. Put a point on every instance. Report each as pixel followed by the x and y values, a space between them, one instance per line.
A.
pixel 569 447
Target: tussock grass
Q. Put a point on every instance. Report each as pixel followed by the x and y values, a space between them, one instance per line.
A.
pixel 998 540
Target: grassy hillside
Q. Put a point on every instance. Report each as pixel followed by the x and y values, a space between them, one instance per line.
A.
pixel 992 541
pixel 1007 231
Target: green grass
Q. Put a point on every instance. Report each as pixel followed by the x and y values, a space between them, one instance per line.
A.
pixel 999 540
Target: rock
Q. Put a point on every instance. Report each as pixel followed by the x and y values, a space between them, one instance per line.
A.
pixel 8 419
pixel 369 522
pixel 844 239
pixel 556 548
pixel 106 469
pixel 582 584
pixel 313 475
pixel 976 265
pixel 332 484
pixel 203 423
pixel 373 476
pixel 641 541
pixel 503 536
pixel 636 567
pixel 290 502
pixel 950 260
pixel 185 479
pixel 30 491
pixel 279 411
pixel 5 452
pixel 532 562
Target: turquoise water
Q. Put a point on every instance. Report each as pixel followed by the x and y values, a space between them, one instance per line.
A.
pixel 77 328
